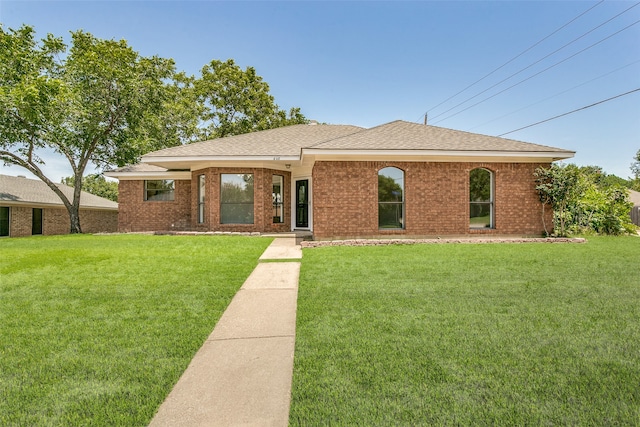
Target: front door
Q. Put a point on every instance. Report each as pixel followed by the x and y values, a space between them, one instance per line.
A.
pixel 302 203
pixel 36 222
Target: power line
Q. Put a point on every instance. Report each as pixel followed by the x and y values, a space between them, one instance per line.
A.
pixel 571 112
pixel 553 96
pixel 531 65
pixel 517 56
pixel 539 72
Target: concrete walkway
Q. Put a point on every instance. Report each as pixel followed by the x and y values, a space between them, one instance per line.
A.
pixel 242 374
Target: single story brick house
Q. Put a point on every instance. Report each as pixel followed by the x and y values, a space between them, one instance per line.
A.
pixel 29 207
pixel 399 179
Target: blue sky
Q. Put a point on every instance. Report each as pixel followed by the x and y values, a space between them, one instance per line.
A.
pixel 369 63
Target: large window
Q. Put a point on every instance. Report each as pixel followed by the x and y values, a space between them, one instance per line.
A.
pixel 159 190
pixel 200 199
pixel 277 194
pixel 4 221
pixel 480 198
pixel 236 198
pixel 390 198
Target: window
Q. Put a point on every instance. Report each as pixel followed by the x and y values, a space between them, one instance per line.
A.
pixel 200 199
pixel 36 221
pixel 236 198
pixel 277 195
pixel 4 221
pixel 390 198
pixel 480 198
pixel 159 190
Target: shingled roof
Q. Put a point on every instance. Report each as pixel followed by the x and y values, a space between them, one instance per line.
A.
pixel 23 191
pixel 284 141
pixel 310 142
pixel 401 135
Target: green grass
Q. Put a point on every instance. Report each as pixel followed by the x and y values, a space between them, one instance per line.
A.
pixel 493 334
pixel 95 330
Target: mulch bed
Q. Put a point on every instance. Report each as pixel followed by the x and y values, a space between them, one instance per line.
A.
pixel 384 242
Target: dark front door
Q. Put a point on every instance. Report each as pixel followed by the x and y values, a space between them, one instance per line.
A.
pixel 36 222
pixel 302 203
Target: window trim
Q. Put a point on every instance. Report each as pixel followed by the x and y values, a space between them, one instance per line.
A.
pixel 277 204
pixel 402 203
pixel 201 198
pixel 252 203
pixel 490 202
pixel 171 191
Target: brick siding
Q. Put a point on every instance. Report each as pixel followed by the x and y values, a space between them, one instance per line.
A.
pixel 182 213
pixel 345 198
pixel 137 214
pixel 56 221
pixel 345 201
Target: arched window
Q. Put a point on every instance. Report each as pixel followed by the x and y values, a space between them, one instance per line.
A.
pixel 390 198
pixel 481 198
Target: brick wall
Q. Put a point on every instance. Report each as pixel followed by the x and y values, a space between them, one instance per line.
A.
pixel 182 213
pixel 56 221
pixel 345 197
pixel 136 214
pixel 19 221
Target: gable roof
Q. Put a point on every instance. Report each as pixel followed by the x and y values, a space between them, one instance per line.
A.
pixel 304 144
pixel 284 141
pixel 401 135
pixel 16 190
pixel 634 196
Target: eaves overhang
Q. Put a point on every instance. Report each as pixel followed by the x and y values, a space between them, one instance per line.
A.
pixel 436 155
pixel 184 162
pixel 137 175
pixel 30 204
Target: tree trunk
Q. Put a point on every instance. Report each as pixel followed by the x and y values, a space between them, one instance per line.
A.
pixel 74 208
pixel 74 219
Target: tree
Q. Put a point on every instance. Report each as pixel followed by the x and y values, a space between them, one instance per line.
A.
pixel 556 187
pixel 236 101
pixel 89 102
pixel 584 199
pixel 96 184
pixel 635 168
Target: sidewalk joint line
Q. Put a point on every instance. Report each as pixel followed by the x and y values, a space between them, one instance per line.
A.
pixel 251 338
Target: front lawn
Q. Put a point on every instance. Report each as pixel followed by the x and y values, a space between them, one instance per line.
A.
pixel 95 330
pixel 469 334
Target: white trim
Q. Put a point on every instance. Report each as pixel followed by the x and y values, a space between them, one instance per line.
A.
pixel 273 158
pixel 41 205
pixel 124 176
pixel 436 155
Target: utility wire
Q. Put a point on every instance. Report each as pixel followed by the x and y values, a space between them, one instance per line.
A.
pixel 571 112
pixel 531 65
pixel 553 96
pixel 516 57
pixel 539 72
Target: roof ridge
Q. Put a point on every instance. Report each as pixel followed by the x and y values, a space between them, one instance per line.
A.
pixel 480 134
pixel 360 129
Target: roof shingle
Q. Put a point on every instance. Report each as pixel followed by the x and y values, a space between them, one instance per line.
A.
pixel 33 191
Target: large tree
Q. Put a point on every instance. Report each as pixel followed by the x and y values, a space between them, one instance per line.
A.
pixel 236 101
pixel 96 184
pixel 90 102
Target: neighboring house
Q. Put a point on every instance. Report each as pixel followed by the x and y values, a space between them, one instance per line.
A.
pixel 29 207
pixel 397 179
pixel 634 196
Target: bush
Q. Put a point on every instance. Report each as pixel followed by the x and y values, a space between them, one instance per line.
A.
pixel 584 200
